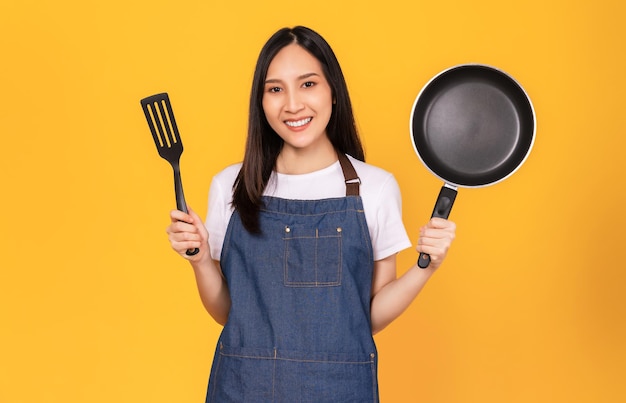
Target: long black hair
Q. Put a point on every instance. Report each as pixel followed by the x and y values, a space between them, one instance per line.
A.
pixel 263 144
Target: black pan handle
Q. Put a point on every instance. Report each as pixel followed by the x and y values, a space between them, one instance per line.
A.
pixel 444 203
pixel 180 201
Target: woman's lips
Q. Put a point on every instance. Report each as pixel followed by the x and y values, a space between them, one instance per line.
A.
pixel 298 123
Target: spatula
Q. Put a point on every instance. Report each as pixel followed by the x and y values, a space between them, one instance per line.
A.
pixel 160 117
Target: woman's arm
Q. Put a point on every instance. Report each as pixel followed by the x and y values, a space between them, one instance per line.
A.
pixel 187 231
pixel 391 295
pixel 213 290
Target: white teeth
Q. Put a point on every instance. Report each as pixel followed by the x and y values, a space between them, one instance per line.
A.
pixel 298 123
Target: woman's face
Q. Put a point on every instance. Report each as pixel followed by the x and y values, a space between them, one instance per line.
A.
pixel 297 99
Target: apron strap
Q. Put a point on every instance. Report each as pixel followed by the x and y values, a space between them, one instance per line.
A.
pixel 349 174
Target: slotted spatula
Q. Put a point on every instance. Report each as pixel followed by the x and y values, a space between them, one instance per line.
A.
pixel 160 117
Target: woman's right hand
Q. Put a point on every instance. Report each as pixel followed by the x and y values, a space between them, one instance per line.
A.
pixel 187 231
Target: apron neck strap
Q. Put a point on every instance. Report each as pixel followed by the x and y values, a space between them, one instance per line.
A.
pixel 349 174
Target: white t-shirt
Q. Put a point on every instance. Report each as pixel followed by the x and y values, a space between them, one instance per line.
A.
pixel 379 192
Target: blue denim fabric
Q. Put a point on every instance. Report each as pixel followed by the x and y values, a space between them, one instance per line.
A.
pixel 299 325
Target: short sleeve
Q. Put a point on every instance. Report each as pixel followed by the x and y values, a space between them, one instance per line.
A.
pixel 389 235
pixel 220 208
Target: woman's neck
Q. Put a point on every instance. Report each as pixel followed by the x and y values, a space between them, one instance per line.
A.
pixel 293 161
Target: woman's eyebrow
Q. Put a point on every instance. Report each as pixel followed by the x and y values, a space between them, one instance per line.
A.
pixel 302 77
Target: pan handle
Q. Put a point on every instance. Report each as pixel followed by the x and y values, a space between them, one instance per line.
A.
pixel 444 203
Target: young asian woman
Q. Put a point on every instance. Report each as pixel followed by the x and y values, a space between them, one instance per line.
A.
pixel 298 252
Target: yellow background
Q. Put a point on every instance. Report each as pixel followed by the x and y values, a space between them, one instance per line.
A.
pixel 94 306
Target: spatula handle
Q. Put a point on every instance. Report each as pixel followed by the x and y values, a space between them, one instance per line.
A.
pixel 180 201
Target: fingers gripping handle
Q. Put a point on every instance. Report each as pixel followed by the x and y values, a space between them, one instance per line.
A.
pixel 180 202
pixel 444 203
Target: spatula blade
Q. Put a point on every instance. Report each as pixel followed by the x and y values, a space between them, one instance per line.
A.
pixel 162 123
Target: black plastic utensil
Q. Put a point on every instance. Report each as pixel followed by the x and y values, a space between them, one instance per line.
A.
pixel 160 117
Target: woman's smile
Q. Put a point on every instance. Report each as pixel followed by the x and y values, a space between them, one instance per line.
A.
pixel 298 124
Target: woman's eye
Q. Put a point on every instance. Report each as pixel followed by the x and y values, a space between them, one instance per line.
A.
pixel 309 84
pixel 273 89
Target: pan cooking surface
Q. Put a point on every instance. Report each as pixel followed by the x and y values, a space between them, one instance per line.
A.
pixel 472 125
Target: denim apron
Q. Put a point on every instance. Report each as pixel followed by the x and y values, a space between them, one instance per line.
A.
pixel 299 328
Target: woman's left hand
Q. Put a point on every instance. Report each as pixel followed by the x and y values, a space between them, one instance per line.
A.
pixel 435 240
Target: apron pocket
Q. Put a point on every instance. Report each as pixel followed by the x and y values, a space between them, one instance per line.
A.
pixel 243 375
pixel 312 256
pixel 268 375
pixel 321 381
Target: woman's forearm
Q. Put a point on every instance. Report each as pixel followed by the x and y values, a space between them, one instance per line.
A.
pixel 396 296
pixel 213 289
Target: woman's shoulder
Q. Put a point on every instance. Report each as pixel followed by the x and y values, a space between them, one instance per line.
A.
pixel 378 186
pixel 370 172
pixel 227 176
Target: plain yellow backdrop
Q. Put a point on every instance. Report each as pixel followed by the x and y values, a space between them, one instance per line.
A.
pixel 95 307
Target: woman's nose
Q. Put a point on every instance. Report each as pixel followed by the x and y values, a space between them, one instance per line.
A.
pixel 294 102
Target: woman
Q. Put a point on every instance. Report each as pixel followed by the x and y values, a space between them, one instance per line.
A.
pixel 298 256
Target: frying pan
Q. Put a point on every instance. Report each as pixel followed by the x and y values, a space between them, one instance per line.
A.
pixel 472 125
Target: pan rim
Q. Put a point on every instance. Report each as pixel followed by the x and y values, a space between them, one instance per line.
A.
pixel 486 67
